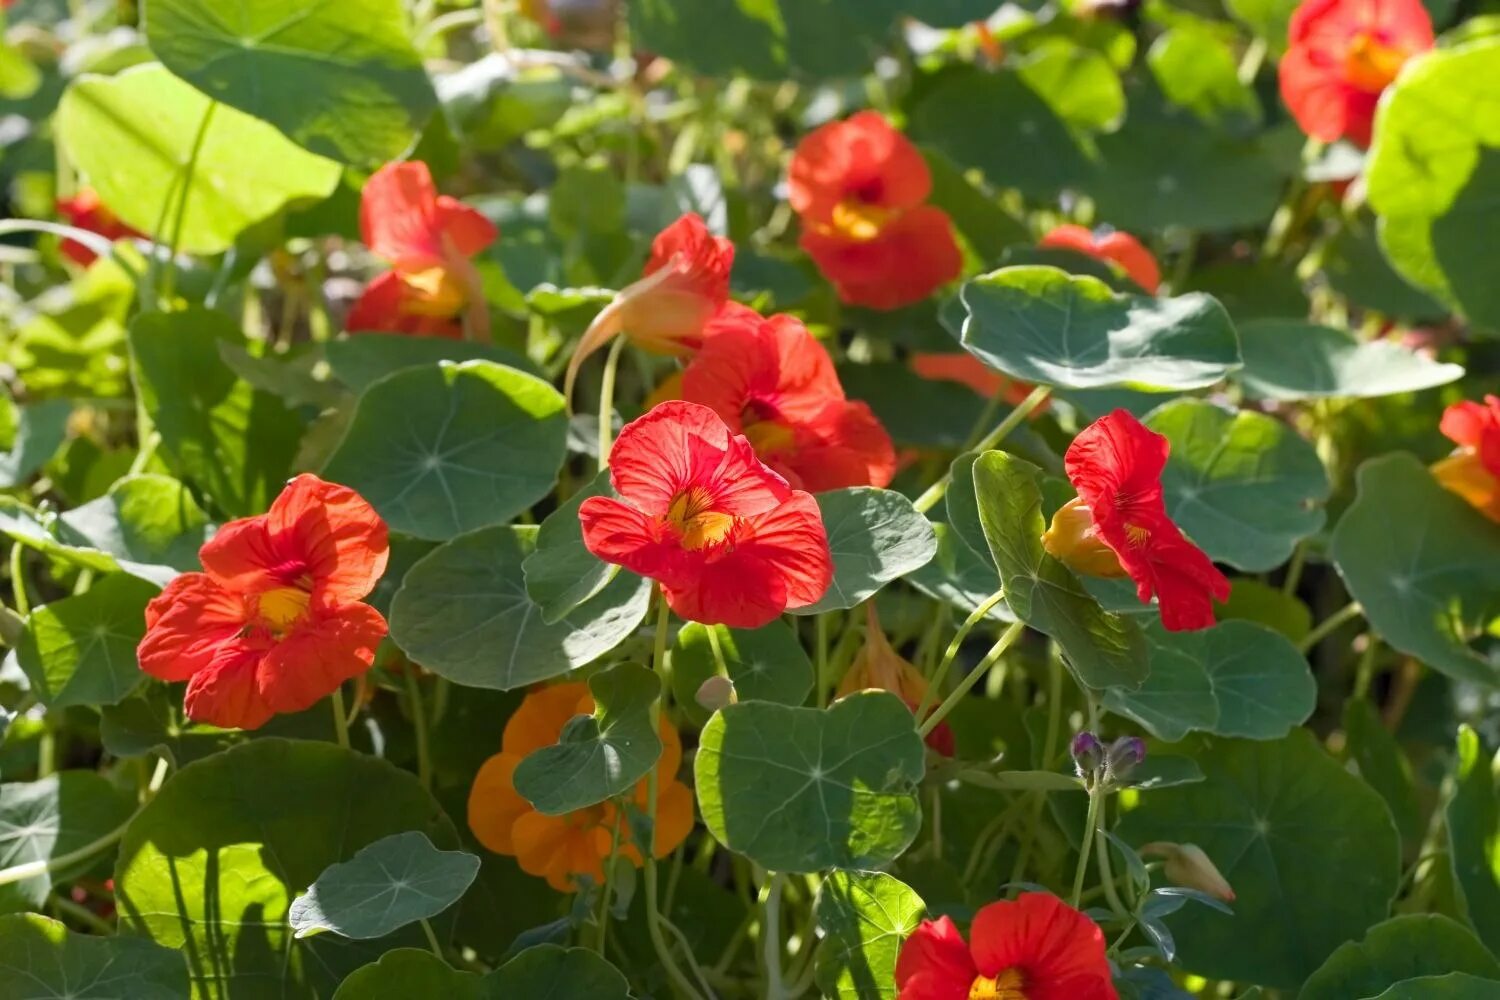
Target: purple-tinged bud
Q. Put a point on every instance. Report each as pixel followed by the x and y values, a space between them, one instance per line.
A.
pixel 1122 757
pixel 1088 753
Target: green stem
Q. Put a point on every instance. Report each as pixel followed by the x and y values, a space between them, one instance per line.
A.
pixel 419 725
pixel 18 578
pixel 170 276
pixel 935 492
pixel 146 454
pixel 1095 796
pixel 340 720
pixel 1106 872
pixel 63 906
pixel 1039 799
pixel 771 938
pixel 609 880
pixel 607 401
pixel 1294 569
pixel 1331 624
pixel 822 665
pixel 1009 636
pixel 432 940
pixel 713 644
pixel 941 673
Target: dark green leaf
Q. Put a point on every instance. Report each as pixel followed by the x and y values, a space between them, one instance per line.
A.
pixel 548 972
pixel 407 973
pixel 1383 766
pixel 562 573
pixel 1399 949
pixel 864 917
pixel 40 959
pixel 149 524
pixel 39 431
pixel 765 664
pixel 1291 360
pixel 1473 822
pixel 876 536
pixel 363 358
pixel 1453 986
pixel 45 819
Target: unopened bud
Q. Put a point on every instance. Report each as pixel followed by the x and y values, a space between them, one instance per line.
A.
pixel 716 692
pixel 1123 756
pixel 1187 866
pixel 1088 753
pixel 1072 540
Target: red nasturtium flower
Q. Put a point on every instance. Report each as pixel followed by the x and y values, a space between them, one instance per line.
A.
pixel 561 848
pixel 728 540
pixel 860 188
pixel 1035 947
pixel 274 623
pixel 684 284
pixel 1342 55
pixel 428 239
pixel 770 380
pixel 877 665
pixel 85 211
pixel 1118 523
pixel 1108 245
pixel 1473 471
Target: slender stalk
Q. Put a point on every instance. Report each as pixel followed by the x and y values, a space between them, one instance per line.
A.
pixel 63 906
pixel 432 939
pixel 821 674
pixel 607 401
pixel 1294 569
pixel 1106 872
pixel 1038 396
pixel 1096 795
pixel 1009 636
pixel 941 673
pixel 1331 624
pixel 609 881
pixel 146 454
pixel 18 578
pixel 1039 799
pixel 419 725
pixel 718 651
pixel 771 938
pixel 170 275
pixel 340 720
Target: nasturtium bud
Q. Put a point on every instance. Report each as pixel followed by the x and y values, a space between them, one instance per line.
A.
pixel 1072 540
pixel 716 692
pixel 1088 753
pixel 1188 866
pixel 1123 756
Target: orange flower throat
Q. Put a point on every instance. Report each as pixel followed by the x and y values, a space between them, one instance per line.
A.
pixel 698 525
pixel 282 608
pixel 859 220
pixel 1006 986
pixel 1371 64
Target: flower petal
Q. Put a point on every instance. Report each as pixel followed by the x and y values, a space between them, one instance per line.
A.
pixel 911 257
pixel 225 692
pixel 1059 950
pixel 187 627
pixel 398 216
pixel 539 719
pixel 334 532
pixel 934 963
pixel 468 229
pixel 494 803
pixel 319 655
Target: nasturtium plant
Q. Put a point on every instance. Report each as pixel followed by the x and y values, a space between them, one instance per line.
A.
pixel 749 498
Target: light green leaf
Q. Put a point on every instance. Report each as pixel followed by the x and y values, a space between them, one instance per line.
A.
pixel 562 573
pixel 40 959
pixel 1078 84
pixel 39 430
pixel 149 524
pixel 1234 679
pixel 548 972
pixel 363 358
pixel 1434 172
pixel 1453 986
pixel 1103 649
pixel 1043 325
pixel 876 536
pixel 1244 486
pixel 80 650
pixel 462 612
pixel 959 575
pixel 1292 360
pixel 133 135
pixel 448 448
pixel 1473 824
pixel 864 917
pixel 1276 818
pixel 765 664
pixel 1424 565
pixel 53 816
pixel 405 973
pixel 1197 70
pixel 211 865
pixel 338 77
pixel 597 756
pixel 1270 20
pixel 1402 948
pixel 395 881
pixel 803 789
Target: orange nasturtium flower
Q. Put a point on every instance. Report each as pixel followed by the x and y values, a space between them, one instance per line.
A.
pixel 770 380
pixel 727 539
pixel 1473 471
pixel 561 848
pixel 85 211
pixel 274 623
pixel 1035 947
pixel 1118 524
pixel 1108 245
pixel 1342 56
pixel 878 665
pixel 860 188
pixel 432 288
pixel 684 284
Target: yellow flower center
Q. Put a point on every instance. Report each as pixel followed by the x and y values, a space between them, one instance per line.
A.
pixel 1006 986
pixel 858 220
pixel 1370 64
pixel 768 437
pixel 696 522
pixel 283 607
pixel 434 292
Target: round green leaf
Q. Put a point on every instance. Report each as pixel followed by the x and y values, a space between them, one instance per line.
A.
pixel 40 959
pixel 36 432
pixel 1078 83
pixel 81 650
pixel 765 664
pixel 393 882
pixel 1234 679
pixel 405 973
pixel 1291 360
pixel 210 866
pixel 550 971
pixel 562 573
pixel 1424 565
pixel 364 358
pixel 1472 820
pixel 1377 754
pixel 1244 486
pixel 133 135
pixel 597 756
pixel 1453 986
pixel 462 612
pixel 448 448
pixel 1357 269
pixel 1405 947
pixel 1043 325
pixel 1434 175
pixel 864 917
pixel 1279 819
pixel 876 536
pixel 803 789
pixel 339 77
pixel 1196 69
pixel 48 818
pixel 1102 648
pixel 150 524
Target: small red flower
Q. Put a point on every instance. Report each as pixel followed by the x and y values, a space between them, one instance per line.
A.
pixel 85 211
pixel 1110 245
pixel 683 286
pixel 771 381
pixel 860 188
pixel 1342 55
pixel 728 540
pixel 1473 471
pixel 1118 525
pixel 428 239
pixel 274 623
pixel 1033 948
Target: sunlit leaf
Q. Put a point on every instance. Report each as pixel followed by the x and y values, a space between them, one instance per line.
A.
pixel 864 917
pixel 1402 948
pixel 1292 360
pixel 386 885
pixel 80 650
pixel 51 817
